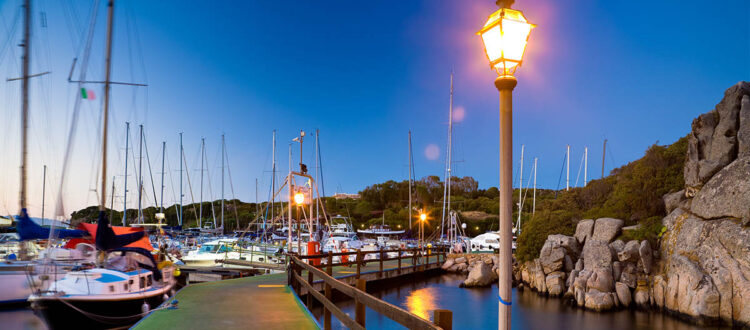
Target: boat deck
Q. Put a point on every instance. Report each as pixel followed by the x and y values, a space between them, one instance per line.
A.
pixel 258 302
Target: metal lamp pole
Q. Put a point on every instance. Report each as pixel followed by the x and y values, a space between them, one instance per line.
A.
pixel 505 85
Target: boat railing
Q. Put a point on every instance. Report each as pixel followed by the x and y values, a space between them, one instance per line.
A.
pixel 442 318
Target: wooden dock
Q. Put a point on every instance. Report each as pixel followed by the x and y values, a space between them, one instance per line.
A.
pixel 268 302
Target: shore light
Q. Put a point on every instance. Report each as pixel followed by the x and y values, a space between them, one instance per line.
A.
pixel 505 35
pixel 299 198
pixel 423 216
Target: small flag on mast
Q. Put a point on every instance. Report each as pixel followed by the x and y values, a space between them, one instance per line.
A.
pixel 87 94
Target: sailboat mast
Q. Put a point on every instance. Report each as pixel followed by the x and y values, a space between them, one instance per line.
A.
pixel 140 175
pixel 112 202
pixel 26 44
pixel 567 173
pixel 604 153
pixel 290 186
pixel 182 155
pixel 105 115
pixel 203 157
pixel 222 183
pixel 410 174
pixel 533 207
pixel 585 165
pixel 447 184
pixel 44 189
pixel 161 198
pixel 273 178
pixel 125 192
pixel 520 192
pixel 317 169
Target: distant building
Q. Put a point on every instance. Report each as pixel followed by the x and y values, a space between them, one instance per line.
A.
pixel 345 196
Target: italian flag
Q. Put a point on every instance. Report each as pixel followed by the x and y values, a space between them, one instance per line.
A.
pixel 87 94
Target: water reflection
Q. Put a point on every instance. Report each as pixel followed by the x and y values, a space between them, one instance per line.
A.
pixel 422 301
pixel 477 309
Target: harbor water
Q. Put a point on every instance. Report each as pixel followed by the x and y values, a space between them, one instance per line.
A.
pixel 476 308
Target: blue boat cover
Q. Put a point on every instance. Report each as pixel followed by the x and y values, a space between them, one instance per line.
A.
pixel 28 229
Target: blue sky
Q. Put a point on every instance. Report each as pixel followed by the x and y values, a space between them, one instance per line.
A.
pixel 365 73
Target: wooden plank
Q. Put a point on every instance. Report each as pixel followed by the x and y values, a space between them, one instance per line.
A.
pixel 359 309
pixel 401 316
pixel 343 317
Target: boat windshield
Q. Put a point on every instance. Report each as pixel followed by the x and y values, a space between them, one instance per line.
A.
pixel 214 248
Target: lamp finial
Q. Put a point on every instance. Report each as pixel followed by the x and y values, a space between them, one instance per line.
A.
pixel 504 3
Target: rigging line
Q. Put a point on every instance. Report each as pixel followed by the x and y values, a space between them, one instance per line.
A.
pixel 320 165
pixel 210 190
pixel 579 170
pixel 231 187
pixel 190 185
pixel 150 171
pixel 76 111
pixel 11 33
pixel 562 169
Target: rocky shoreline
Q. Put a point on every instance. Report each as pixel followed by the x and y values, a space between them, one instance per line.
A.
pixel 699 269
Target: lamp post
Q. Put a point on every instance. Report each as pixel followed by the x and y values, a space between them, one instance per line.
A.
pixel 505 35
pixel 422 219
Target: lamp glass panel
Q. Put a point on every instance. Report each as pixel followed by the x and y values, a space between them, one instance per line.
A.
pixel 493 43
pixel 514 36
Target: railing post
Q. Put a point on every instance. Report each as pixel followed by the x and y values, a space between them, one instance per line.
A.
pixel 380 274
pixel 327 313
pixel 359 310
pixel 443 318
pixel 414 260
pixel 359 261
pixel 309 295
pixel 399 260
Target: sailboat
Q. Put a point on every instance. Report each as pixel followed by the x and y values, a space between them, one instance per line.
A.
pixel 126 280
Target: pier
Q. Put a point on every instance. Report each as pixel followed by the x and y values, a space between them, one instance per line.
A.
pixel 281 300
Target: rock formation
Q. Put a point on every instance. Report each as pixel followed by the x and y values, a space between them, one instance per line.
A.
pixel 700 268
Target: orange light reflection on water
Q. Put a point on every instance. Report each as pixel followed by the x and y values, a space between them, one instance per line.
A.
pixel 422 301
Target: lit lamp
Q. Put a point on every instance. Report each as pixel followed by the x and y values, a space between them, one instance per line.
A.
pixel 504 36
pixel 422 218
pixel 299 198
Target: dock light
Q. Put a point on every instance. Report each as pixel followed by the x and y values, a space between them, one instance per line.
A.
pixel 423 216
pixel 159 216
pixel 299 198
pixel 505 35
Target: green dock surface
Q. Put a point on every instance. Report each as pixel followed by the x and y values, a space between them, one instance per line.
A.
pixel 257 302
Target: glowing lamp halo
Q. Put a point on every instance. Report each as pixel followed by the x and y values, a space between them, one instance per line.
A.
pixel 505 35
pixel 423 216
pixel 299 198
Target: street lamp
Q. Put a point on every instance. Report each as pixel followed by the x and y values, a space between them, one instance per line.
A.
pixel 422 219
pixel 299 198
pixel 504 36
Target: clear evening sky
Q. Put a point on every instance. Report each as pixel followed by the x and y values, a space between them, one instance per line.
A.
pixel 364 74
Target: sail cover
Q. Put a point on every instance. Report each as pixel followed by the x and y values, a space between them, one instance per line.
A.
pixel 28 229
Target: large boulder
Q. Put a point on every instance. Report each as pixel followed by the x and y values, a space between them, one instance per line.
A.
pixel 554 251
pixel 727 194
pixel 448 263
pixel 673 200
pixel 555 283
pixel 641 295
pixel 601 279
pixel 596 254
pixel 584 230
pixel 481 274
pixel 713 142
pixel 599 301
pixel 743 133
pixel 647 256
pixel 606 229
pixel 623 294
pixel 630 252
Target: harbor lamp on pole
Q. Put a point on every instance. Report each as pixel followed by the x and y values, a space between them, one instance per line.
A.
pixel 422 219
pixel 505 35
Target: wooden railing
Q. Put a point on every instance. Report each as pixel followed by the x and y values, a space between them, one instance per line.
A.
pixel 443 318
pixel 421 258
